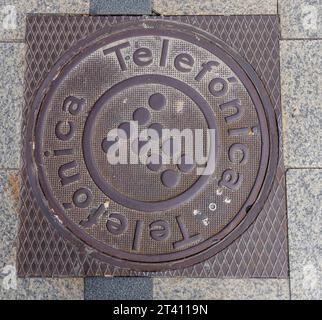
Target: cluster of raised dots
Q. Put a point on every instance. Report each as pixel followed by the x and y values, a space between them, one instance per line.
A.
pixel 142 116
pixel 169 177
pixel 157 101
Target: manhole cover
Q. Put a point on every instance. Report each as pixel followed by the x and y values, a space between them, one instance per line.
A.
pixel 153 143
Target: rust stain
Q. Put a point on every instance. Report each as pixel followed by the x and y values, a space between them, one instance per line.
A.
pixel 14 186
pixel 179 105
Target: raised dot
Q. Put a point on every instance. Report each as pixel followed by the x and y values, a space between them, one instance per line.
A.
pixel 141 115
pixel 107 144
pixel 157 101
pixel 170 178
pixel 157 127
pixel 125 130
pixel 186 165
pixel 155 162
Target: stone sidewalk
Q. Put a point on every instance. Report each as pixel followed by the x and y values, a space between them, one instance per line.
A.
pixel 301 81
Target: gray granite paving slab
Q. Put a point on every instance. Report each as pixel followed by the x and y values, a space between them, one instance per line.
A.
pixel 100 288
pixel 43 289
pixel 10 286
pixel 301 18
pixel 120 7
pixel 208 7
pixel 11 100
pixel 13 13
pixel 221 289
pixel 304 189
pixel 301 83
pixel 9 198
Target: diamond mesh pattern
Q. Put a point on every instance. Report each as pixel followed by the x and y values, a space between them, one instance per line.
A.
pixel 260 252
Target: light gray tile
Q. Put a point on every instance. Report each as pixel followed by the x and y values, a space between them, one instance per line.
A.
pixel 301 83
pixel 304 197
pixel 11 100
pixel 13 13
pixel 220 289
pixel 44 289
pixel 229 7
pixel 10 286
pixel 54 289
pixel 301 18
pixel 9 198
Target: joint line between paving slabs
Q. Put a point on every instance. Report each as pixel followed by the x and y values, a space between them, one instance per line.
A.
pixel 303 168
pixel 287 238
pixel 301 39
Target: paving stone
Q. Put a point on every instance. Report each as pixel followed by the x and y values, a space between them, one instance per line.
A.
pixel 44 289
pixel 207 7
pixel 10 286
pixel 99 288
pixel 305 229
pixel 13 13
pixel 9 198
pixel 301 18
pixel 221 289
pixel 301 81
pixel 11 99
pixel 120 7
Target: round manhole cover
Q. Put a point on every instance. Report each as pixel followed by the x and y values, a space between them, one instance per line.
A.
pixel 154 144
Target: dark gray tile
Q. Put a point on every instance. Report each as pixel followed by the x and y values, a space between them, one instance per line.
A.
pixel 120 7
pixel 99 288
